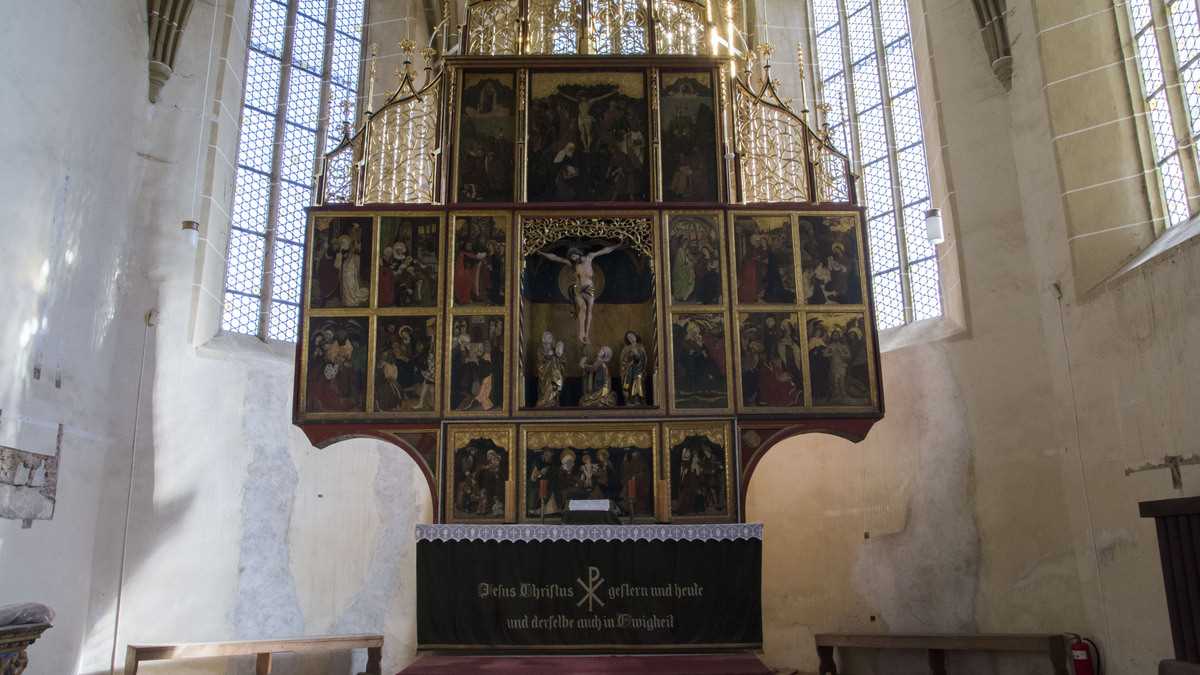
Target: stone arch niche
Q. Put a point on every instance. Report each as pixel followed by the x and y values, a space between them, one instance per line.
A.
pixel 593 239
pixel 421 444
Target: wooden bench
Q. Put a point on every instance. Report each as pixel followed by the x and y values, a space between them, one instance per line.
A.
pixel 262 649
pixel 1054 646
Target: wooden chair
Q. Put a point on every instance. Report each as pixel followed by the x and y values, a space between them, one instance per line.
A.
pixel 1054 646
pixel 262 649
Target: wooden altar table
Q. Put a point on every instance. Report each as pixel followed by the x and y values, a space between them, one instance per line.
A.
pixel 589 588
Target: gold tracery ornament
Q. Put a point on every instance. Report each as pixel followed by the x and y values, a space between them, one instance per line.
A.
pixel 539 232
pixel 772 158
pixel 494 27
pixel 583 440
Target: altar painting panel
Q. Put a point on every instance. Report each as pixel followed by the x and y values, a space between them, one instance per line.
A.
pixel 486 164
pixel 588 137
pixel 690 155
pixel 561 463
pixel 698 458
pixel 481 473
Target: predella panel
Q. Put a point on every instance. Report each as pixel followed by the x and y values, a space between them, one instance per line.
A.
pixel 699 461
pixel 481 466
pixel 594 463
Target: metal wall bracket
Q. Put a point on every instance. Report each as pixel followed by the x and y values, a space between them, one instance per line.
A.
pixel 1172 462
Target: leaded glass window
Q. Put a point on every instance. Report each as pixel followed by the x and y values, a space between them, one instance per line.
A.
pixel 302 70
pixel 866 77
pixel 1167 60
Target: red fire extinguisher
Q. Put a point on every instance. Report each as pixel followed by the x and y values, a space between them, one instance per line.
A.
pixel 1085 656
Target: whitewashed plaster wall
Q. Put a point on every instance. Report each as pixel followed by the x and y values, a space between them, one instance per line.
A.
pixel 73 284
pixel 237 527
pixel 263 535
pixel 993 495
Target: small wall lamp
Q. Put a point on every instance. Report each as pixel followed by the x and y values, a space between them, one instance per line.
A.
pixel 191 230
pixel 935 231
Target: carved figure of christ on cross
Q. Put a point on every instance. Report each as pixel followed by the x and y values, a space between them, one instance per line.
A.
pixel 583 291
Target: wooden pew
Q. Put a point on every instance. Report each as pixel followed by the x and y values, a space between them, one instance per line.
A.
pixel 262 649
pixel 1054 646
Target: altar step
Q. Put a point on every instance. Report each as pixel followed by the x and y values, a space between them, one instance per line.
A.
pixel 659 664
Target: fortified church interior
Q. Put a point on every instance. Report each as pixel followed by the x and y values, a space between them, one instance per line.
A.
pixel 553 336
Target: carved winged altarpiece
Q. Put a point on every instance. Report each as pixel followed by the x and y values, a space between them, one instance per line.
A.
pixel 589 252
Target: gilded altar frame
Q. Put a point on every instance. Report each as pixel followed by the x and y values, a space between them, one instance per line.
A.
pixel 372 313
pixel 525 69
pixel 503 311
pixel 801 312
pixel 364 176
pixel 720 310
pixel 521 337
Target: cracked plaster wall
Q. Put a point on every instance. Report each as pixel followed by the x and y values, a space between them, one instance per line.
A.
pixel 994 491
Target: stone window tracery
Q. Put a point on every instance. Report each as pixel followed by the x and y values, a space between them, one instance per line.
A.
pixel 865 77
pixel 1169 67
pixel 302 75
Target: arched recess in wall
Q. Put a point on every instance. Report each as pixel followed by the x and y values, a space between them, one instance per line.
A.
pixel 419 443
pixel 757 439
pixel 808 499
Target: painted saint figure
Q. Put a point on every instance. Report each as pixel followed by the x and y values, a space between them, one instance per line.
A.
pixel 839 363
pixel 348 262
pixel 583 291
pixel 633 369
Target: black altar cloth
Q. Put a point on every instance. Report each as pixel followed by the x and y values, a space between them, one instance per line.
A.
pixel 590 518
pixel 589 588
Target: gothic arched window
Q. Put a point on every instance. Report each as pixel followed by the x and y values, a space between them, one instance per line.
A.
pixel 1169 64
pixel 302 71
pixel 866 75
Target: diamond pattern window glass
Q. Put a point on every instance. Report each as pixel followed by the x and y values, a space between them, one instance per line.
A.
pixel 286 123
pixel 1166 43
pixel 874 115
